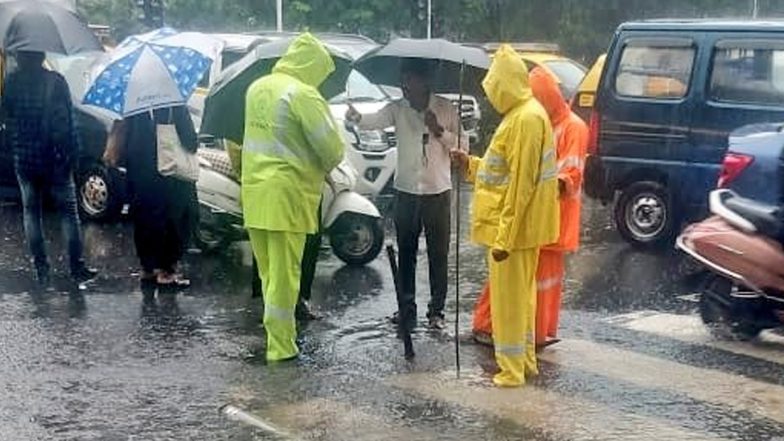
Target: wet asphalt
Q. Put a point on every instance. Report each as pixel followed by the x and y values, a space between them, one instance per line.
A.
pixel 115 362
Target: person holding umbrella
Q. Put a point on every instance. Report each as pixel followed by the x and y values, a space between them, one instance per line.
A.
pixel 291 143
pixel 427 128
pixel 146 83
pixel 38 116
pixel 515 211
pixel 39 121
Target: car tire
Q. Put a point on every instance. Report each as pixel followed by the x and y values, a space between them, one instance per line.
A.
pixel 644 216
pixel 356 239
pixel 99 198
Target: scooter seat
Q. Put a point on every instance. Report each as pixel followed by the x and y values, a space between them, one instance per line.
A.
pixel 766 218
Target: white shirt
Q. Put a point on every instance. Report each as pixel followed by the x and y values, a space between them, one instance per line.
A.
pixel 420 170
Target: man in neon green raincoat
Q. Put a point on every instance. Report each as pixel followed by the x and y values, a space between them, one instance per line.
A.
pixel 515 211
pixel 291 143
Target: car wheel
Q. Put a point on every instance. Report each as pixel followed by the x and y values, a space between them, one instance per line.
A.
pixel 356 239
pixel 98 198
pixel 643 214
pixel 209 240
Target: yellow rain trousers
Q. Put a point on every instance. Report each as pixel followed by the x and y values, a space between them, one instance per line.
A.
pixel 279 255
pixel 515 209
pixel 291 143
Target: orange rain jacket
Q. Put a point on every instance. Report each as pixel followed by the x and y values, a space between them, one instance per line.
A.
pixel 571 137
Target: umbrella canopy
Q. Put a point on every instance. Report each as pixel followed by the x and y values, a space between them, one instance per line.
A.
pixel 154 70
pixel 43 26
pixel 382 65
pixel 224 109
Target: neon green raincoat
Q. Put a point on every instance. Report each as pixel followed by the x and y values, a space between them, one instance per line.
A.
pixel 291 141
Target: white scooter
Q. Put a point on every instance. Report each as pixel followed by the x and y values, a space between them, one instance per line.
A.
pixel 351 221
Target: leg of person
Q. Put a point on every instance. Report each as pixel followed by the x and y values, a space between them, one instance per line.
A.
pixel 549 277
pixel 255 287
pixel 408 221
pixel 177 228
pixel 309 261
pixel 555 301
pixel 280 257
pixel 32 203
pixel 64 195
pixel 513 305
pixel 149 219
pixel 436 218
pixel 482 322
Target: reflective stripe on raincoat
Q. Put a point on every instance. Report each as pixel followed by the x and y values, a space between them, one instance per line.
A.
pixel 516 198
pixel 571 138
pixel 291 141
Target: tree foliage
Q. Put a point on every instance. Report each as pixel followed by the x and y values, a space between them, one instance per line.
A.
pixel 582 27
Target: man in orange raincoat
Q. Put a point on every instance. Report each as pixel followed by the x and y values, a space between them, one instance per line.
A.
pixel 571 137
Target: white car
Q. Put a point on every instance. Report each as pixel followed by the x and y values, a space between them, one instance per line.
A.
pixel 373 153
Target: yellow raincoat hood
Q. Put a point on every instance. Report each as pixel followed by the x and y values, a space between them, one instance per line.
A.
pixel 506 83
pixel 306 60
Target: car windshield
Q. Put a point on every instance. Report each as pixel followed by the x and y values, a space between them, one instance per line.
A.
pixel 359 89
pixel 569 73
pixel 75 69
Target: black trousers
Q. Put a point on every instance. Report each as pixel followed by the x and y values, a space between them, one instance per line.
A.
pixel 163 219
pixel 413 215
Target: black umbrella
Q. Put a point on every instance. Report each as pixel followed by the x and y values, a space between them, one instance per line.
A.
pixel 224 109
pixel 43 26
pixel 382 65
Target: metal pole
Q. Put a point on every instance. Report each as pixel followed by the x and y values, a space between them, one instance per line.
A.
pixel 457 222
pixel 429 19
pixel 755 10
pixel 279 7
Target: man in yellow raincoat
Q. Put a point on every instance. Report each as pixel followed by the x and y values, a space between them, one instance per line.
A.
pixel 291 143
pixel 515 211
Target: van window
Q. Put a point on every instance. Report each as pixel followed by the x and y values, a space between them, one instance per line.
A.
pixel 655 71
pixel 746 74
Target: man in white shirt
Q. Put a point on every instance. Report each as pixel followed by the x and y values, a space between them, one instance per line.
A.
pixel 427 129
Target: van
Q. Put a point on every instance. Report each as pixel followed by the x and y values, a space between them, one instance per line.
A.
pixel 670 94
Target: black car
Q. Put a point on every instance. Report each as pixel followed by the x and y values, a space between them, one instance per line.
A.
pixel 101 190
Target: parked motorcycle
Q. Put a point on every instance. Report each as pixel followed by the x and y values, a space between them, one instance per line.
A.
pixel 351 221
pixel 740 245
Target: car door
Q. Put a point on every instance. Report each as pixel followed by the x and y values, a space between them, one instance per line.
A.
pixel 645 107
pixel 744 85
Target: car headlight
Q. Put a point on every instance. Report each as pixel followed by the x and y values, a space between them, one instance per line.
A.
pixel 372 141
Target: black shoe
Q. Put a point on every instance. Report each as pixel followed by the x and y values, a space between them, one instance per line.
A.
pixel 305 314
pixel 43 278
pixel 437 323
pixel 84 274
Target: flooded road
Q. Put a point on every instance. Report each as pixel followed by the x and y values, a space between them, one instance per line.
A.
pixel 115 363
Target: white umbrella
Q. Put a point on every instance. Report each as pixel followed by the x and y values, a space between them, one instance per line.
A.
pixel 149 71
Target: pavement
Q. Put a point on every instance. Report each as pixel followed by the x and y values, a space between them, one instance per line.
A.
pixel 111 362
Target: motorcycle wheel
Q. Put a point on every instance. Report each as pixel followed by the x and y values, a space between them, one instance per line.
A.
pixel 718 316
pixel 356 239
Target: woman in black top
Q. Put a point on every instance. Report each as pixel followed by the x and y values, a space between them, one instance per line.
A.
pixel 162 207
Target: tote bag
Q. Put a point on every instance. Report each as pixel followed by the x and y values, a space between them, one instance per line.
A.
pixel 173 159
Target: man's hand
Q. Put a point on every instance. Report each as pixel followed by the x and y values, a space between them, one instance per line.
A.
pixel 353 115
pixel 500 255
pixel 460 159
pixel 431 121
